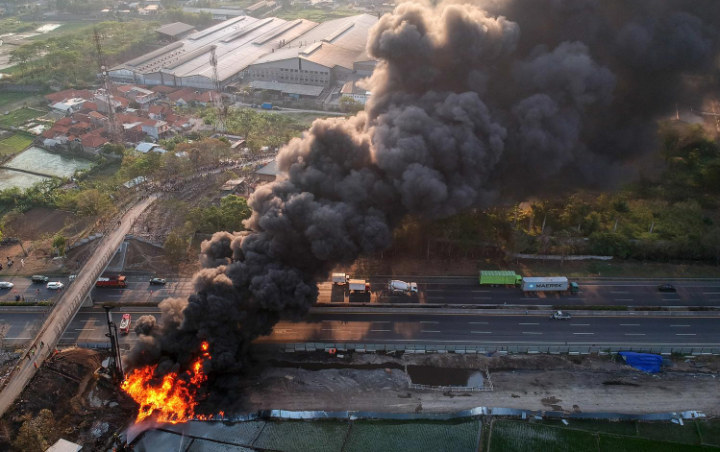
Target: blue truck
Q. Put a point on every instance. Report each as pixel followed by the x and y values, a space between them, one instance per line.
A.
pixel 266 106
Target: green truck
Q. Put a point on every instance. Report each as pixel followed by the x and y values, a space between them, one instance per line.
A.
pixel 499 278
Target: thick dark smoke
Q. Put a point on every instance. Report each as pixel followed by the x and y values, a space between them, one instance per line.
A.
pixel 469 106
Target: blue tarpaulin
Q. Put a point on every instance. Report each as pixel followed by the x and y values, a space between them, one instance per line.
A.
pixel 647 362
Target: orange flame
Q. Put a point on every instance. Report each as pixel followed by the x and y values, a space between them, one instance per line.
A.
pixel 174 399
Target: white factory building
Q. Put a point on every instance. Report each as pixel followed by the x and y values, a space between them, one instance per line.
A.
pixel 296 56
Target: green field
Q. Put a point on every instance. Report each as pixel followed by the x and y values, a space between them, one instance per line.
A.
pixel 14 144
pixel 388 436
pixel 19 117
pixel 9 98
pixel 603 436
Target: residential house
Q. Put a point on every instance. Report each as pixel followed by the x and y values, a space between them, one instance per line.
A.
pixel 188 96
pixel 268 172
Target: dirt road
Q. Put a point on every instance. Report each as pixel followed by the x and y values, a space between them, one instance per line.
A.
pixel 535 382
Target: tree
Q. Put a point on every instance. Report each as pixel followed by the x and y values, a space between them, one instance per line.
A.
pixel 711 240
pixel 175 247
pixel 350 105
pixel 92 202
pixel 36 433
pixel 59 244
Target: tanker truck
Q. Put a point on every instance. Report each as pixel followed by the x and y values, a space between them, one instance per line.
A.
pixel 396 286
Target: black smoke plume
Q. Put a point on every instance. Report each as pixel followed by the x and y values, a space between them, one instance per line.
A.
pixel 470 104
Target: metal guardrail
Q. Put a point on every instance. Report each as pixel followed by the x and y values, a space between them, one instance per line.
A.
pixel 499 348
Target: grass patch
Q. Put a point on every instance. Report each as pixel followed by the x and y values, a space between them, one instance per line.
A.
pixel 625 444
pixel 663 431
pixel 709 431
pixel 515 436
pixel 626 428
pixel 19 117
pixel 10 98
pixel 15 143
pixel 389 436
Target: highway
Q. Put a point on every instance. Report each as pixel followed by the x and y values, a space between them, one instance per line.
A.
pixel 463 291
pixel 425 326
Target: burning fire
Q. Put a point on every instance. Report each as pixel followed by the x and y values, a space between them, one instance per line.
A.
pixel 174 399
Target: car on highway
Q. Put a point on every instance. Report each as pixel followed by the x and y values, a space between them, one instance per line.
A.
pixel 6 285
pixel 55 285
pixel 158 281
pixel 125 324
pixel 559 315
pixel 39 279
pixel 667 288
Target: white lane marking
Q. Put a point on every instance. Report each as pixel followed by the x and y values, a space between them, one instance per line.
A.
pixel 528 323
pixel 84 329
pixel 478 323
pixel 583 333
pixel 679 326
pixel 479 291
pixel 684 334
pixel 711 293
pixel 579 324
pixel 480 332
pixel 531 332
pixel 619 291
pixel 380 330
pixel 634 334
pixel 623 299
pixel 429 331
pixel 429 321
pixel 482 298
pixel 19 338
pixel 629 324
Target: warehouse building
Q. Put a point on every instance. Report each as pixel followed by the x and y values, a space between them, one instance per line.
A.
pixel 287 56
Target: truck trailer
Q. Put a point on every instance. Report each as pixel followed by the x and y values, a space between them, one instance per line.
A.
pixel 111 281
pixel 358 286
pixel 548 284
pixel 340 278
pixel 499 278
pixel 397 286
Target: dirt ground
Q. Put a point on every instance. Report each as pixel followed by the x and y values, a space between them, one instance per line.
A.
pixel 86 407
pixel 535 382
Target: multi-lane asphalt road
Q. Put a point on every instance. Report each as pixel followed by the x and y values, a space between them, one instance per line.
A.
pixel 463 291
pixel 424 326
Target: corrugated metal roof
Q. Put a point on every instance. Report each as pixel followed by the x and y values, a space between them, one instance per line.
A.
pixel 243 41
pixel 287 88
pixel 175 29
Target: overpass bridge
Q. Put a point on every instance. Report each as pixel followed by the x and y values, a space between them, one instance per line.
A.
pixel 67 307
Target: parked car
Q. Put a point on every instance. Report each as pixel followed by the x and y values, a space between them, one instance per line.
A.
pixel 39 279
pixel 55 285
pixel 559 315
pixel 666 288
pixel 6 285
pixel 158 281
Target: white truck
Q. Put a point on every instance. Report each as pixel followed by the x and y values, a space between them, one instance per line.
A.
pixel 397 286
pixel 358 286
pixel 548 284
pixel 340 278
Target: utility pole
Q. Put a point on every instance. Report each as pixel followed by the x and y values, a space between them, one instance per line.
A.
pixel 220 107
pixel 114 344
pixel 112 128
